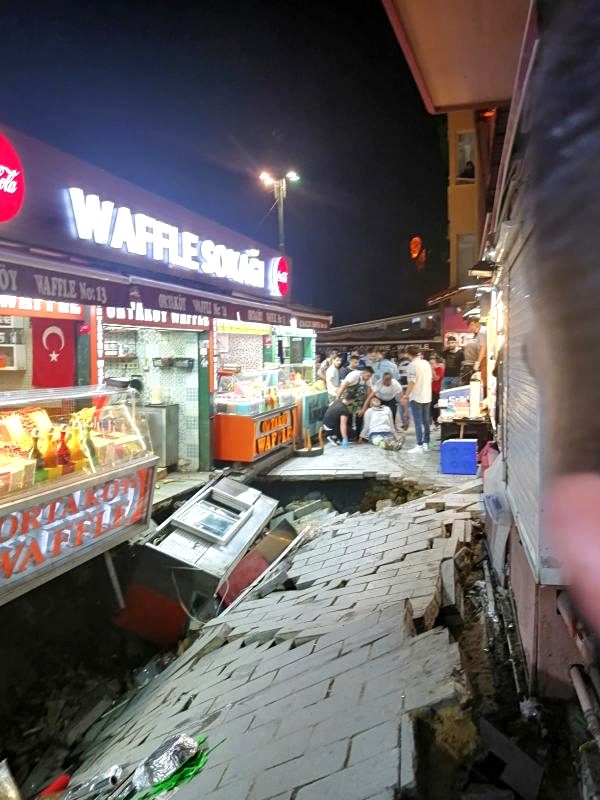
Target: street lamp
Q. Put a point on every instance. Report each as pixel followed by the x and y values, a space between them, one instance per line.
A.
pixel 279 191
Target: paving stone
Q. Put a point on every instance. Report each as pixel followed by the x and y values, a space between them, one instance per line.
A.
pixel 204 783
pixel 291 703
pixel 233 791
pixel 358 782
pixel 255 758
pixel 373 741
pixel 314 764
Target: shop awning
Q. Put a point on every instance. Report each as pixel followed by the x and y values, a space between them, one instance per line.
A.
pixel 422 326
pixel 459 295
pixel 461 54
pixel 29 275
pixel 184 300
pixel 47 275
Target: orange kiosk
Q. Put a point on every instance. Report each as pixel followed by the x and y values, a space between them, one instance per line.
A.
pixel 248 438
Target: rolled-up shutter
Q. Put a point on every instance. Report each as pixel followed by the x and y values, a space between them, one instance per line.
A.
pixel 522 413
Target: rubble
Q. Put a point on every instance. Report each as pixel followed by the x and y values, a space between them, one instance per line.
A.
pixel 313 690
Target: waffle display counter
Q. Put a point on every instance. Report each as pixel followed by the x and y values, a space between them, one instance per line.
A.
pixel 254 415
pixel 76 479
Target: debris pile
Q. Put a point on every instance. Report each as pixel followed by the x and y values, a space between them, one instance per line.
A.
pixel 315 689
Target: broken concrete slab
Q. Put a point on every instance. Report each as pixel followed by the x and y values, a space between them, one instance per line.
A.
pixel 329 663
pixel 521 772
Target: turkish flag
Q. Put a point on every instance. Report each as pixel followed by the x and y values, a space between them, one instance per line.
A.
pixel 53 352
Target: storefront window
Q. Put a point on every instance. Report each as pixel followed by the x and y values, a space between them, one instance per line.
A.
pixel 465 157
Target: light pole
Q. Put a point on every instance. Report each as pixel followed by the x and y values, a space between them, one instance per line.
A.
pixel 280 192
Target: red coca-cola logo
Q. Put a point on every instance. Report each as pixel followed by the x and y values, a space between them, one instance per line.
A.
pixel 280 277
pixel 12 181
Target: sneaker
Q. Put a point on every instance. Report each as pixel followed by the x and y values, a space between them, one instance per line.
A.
pixel 332 440
pixel 425 447
pixel 418 448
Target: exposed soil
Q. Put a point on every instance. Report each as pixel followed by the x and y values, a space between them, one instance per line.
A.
pixel 345 495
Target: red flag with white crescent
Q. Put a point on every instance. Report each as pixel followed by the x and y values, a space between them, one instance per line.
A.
pixel 53 352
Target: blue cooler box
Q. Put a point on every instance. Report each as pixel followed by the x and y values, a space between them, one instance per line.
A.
pixel 458 457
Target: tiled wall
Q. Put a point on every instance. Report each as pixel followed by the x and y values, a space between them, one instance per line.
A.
pixel 241 348
pixel 176 385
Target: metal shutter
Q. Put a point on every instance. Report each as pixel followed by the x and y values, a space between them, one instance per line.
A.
pixel 522 414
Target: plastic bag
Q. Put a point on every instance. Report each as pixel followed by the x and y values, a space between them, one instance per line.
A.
pixel 8 788
pixel 164 761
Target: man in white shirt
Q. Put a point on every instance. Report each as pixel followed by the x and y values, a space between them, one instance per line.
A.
pixel 332 378
pixel 418 396
pixel 378 427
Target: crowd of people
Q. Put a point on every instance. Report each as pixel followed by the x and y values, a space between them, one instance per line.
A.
pixel 373 397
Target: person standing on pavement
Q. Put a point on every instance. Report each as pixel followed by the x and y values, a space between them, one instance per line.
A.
pixel 381 364
pixel 353 362
pixel 325 364
pixel 332 377
pixel 357 387
pixel 403 367
pixel 418 395
pixel 437 374
pixel 453 359
pixel 336 422
pixel 475 353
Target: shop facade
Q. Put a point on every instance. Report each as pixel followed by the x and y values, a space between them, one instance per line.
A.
pixel 101 280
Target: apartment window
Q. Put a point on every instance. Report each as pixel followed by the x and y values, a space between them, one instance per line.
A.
pixel 465 254
pixel 465 157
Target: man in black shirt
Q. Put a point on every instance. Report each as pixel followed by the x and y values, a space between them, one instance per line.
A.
pixel 453 359
pixel 335 421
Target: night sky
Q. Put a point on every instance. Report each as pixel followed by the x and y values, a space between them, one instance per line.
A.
pixel 192 100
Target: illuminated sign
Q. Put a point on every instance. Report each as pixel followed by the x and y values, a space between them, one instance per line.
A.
pixel 12 181
pixel 137 314
pixel 35 538
pixel 103 222
pixel 32 307
pixel 274 432
pixel 280 277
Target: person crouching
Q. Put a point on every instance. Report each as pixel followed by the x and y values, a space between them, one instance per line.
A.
pixel 378 427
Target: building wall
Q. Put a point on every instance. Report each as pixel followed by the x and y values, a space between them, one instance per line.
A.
pixel 176 385
pixel 548 649
pixel 463 194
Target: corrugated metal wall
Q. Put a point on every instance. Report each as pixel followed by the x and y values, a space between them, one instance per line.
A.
pixel 522 417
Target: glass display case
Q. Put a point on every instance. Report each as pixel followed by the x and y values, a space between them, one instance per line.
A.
pixel 76 479
pixel 51 437
pixel 278 405
pixel 252 392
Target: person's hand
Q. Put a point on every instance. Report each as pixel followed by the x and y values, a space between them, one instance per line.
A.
pixel 345 442
pixel 360 413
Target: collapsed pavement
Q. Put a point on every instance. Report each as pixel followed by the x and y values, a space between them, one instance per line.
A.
pixel 314 692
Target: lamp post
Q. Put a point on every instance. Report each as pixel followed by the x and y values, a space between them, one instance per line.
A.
pixel 280 192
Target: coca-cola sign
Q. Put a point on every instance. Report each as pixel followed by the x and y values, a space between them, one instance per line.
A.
pixel 12 182
pixel 280 277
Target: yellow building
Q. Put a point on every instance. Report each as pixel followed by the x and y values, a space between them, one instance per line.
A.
pixel 464 192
